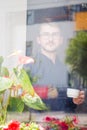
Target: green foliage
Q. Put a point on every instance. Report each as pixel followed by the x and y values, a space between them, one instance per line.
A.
pixel 33 79
pixel 16 104
pixel 34 102
pixel 3 70
pixel 3 114
pixel 76 54
pixel 5 83
pixel 9 83
pixel 1 60
pixel 31 126
pixel 24 80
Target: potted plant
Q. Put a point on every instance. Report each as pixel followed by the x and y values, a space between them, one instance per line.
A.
pixel 76 58
pixel 16 88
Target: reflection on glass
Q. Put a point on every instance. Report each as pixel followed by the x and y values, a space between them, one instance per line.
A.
pixel 50 40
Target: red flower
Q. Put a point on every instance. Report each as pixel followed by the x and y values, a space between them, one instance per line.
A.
pixel 14 125
pixel 57 122
pixel 41 128
pixel 63 125
pixel 5 128
pixel 75 120
pixel 27 124
pixel 49 119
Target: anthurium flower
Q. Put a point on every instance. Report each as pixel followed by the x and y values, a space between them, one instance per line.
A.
pixel 13 97
pixel 25 60
pixel 15 53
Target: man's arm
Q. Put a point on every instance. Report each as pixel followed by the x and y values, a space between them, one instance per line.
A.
pixel 71 103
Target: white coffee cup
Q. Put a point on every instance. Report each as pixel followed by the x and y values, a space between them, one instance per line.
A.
pixel 72 92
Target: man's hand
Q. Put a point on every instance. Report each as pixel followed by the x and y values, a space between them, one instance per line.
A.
pixel 80 99
pixel 52 92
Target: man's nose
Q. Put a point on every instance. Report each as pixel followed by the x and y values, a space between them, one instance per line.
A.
pixel 50 37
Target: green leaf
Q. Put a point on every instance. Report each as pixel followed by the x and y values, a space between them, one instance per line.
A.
pixel 5 83
pixel 16 104
pixel 24 81
pixel 4 71
pixel 34 102
pixel 1 60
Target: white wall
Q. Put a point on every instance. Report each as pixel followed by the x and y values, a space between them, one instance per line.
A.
pixel 13 28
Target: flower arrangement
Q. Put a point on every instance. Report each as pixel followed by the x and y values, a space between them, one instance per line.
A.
pixel 16 125
pixel 50 123
pixel 67 123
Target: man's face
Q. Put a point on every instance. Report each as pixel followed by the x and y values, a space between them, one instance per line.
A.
pixel 49 38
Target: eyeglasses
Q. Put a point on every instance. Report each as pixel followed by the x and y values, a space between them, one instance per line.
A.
pixel 46 35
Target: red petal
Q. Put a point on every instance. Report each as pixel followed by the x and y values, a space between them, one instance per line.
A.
pixel 25 60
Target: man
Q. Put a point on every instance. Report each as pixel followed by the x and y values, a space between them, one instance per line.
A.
pixel 51 72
